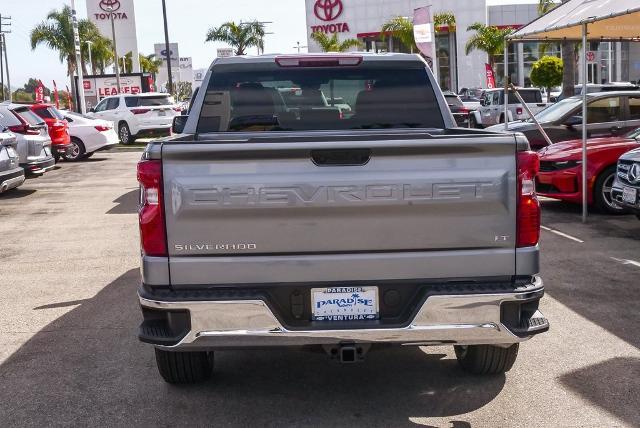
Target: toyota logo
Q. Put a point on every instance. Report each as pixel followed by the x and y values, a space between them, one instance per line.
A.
pixel 634 174
pixel 109 5
pixel 328 10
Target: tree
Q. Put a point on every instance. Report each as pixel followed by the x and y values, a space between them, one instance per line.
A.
pixel 126 63
pixel 239 36
pixel 20 96
pixel 401 28
pixel 333 44
pixel 32 84
pixel 56 32
pixel 101 54
pixel 150 64
pixel 444 19
pixel 489 39
pixel 547 73
pixel 184 90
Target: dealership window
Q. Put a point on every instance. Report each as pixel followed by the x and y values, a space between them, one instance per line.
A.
pixel 445 61
pixel 513 66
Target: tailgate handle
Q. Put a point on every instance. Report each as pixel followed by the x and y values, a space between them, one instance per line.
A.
pixel 341 157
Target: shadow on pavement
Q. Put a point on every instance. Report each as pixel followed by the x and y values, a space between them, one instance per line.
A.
pixel 88 368
pixel 612 385
pixel 17 193
pixel 127 203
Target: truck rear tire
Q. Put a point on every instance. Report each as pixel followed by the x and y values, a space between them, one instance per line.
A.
pixel 486 359
pixel 184 367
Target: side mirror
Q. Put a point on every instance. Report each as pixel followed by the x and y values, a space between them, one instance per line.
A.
pixel 92 110
pixel 482 102
pixel 179 122
pixel 573 121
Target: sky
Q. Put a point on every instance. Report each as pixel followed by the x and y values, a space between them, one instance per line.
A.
pixel 189 21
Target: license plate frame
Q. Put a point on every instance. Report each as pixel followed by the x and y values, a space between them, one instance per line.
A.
pixel 162 113
pixel 345 304
pixel 630 195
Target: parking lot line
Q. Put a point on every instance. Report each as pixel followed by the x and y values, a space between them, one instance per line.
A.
pixel 564 235
pixel 626 261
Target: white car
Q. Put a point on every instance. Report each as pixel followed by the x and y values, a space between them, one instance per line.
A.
pixel 136 116
pixel 89 136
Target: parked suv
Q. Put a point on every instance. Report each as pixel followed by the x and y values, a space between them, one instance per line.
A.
pixel 609 114
pixel 626 187
pixel 58 128
pixel 34 144
pixel 137 116
pixel 11 174
pixel 491 110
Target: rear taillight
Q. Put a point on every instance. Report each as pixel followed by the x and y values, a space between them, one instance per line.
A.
pixel 178 109
pixel 519 111
pixel 528 211
pixel 153 238
pixel 24 130
pixel 102 128
pixel 140 110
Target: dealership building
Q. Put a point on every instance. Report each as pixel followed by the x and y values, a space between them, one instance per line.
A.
pixel 363 20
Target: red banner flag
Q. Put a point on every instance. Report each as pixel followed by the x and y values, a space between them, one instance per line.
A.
pixel 491 77
pixel 69 102
pixel 55 95
pixel 40 92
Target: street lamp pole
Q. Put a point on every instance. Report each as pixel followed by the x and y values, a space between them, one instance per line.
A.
pixel 299 47
pixel 115 47
pixel 166 48
pixel 89 43
pixel 76 42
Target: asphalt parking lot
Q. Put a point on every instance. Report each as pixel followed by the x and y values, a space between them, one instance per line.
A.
pixel 69 353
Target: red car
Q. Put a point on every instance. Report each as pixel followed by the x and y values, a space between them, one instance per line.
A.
pixel 58 128
pixel 560 174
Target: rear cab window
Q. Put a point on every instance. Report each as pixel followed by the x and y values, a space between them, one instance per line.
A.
pixel 7 118
pixel 528 95
pixel 49 113
pixel 265 97
pixel 28 116
pixel 453 100
pixel 148 101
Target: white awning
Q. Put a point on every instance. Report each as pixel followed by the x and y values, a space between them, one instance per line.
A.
pixel 607 19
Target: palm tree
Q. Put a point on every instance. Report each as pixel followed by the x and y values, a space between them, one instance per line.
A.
pixel 239 36
pixel 444 19
pixel 101 54
pixel 489 39
pixel 401 28
pixel 150 64
pixel 125 63
pixel 56 32
pixel 333 44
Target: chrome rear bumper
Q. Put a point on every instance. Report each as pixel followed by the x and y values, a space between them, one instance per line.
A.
pixel 468 319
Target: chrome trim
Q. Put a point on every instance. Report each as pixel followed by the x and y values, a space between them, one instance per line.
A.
pixel 462 319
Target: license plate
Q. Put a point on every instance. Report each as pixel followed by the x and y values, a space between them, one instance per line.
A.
pixel 630 195
pixel 344 303
pixel 162 113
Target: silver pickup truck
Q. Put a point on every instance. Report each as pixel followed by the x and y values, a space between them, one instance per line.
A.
pixel 283 221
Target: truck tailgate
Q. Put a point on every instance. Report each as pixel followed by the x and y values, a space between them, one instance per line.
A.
pixel 331 207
